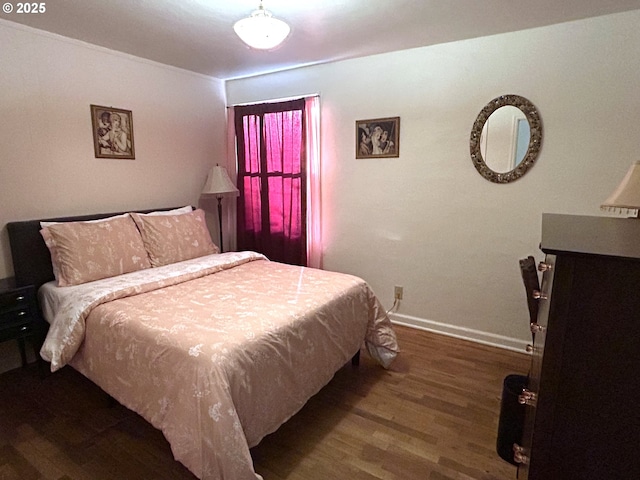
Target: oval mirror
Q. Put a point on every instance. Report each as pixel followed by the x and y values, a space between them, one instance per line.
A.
pixel 506 138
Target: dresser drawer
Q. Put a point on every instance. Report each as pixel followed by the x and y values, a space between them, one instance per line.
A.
pixel 15 317
pixel 15 299
pixel 15 331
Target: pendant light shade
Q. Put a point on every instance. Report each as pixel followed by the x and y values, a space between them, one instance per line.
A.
pixel 261 30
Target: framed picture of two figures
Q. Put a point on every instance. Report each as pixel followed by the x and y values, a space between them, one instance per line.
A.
pixel 378 138
pixel 112 132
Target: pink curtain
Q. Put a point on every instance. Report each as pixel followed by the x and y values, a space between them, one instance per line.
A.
pixel 314 198
pixel 270 142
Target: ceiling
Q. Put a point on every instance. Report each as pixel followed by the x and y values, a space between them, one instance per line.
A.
pixel 197 35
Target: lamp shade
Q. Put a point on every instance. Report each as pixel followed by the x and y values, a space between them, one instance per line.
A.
pixel 219 183
pixel 627 196
pixel 261 30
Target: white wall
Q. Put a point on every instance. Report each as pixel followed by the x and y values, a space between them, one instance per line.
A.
pixel 427 220
pixel 47 164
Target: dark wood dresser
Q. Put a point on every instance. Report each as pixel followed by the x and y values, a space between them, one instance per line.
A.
pixel 583 414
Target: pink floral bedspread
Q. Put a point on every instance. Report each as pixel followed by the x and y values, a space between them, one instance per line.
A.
pixel 217 352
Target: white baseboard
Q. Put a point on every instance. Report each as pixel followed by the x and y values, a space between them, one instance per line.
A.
pixel 478 336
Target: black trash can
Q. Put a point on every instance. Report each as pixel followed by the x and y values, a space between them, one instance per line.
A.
pixel 511 416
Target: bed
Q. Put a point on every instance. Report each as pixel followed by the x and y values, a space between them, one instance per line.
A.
pixel 215 350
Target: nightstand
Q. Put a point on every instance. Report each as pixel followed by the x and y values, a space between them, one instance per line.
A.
pixel 18 318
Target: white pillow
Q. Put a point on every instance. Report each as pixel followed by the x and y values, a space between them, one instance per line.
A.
pixel 175 211
pixel 48 224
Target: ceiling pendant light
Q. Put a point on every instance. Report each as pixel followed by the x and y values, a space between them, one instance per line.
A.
pixel 261 30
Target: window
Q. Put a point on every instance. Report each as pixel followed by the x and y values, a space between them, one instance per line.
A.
pixel 272 179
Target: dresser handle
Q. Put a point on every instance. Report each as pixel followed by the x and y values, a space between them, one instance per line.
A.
pixel 24 328
pixel 19 298
pixel 527 397
pixel 544 267
pixel 520 454
pixel 22 313
pixel 536 328
pixel 529 348
pixel 538 295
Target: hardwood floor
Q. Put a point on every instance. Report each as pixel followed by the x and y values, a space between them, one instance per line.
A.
pixel 432 416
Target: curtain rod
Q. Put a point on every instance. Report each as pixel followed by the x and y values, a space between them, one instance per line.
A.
pixel 275 100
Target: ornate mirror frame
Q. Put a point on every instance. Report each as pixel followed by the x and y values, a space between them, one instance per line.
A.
pixel 535 140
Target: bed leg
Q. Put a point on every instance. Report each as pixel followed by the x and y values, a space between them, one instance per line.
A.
pixel 355 361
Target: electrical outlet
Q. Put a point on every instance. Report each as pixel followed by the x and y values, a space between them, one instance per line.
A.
pixel 397 292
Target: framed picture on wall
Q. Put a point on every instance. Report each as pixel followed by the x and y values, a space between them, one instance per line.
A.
pixel 112 132
pixel 378 138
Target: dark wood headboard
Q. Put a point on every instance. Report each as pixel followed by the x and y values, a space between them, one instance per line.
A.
pixel 31 258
